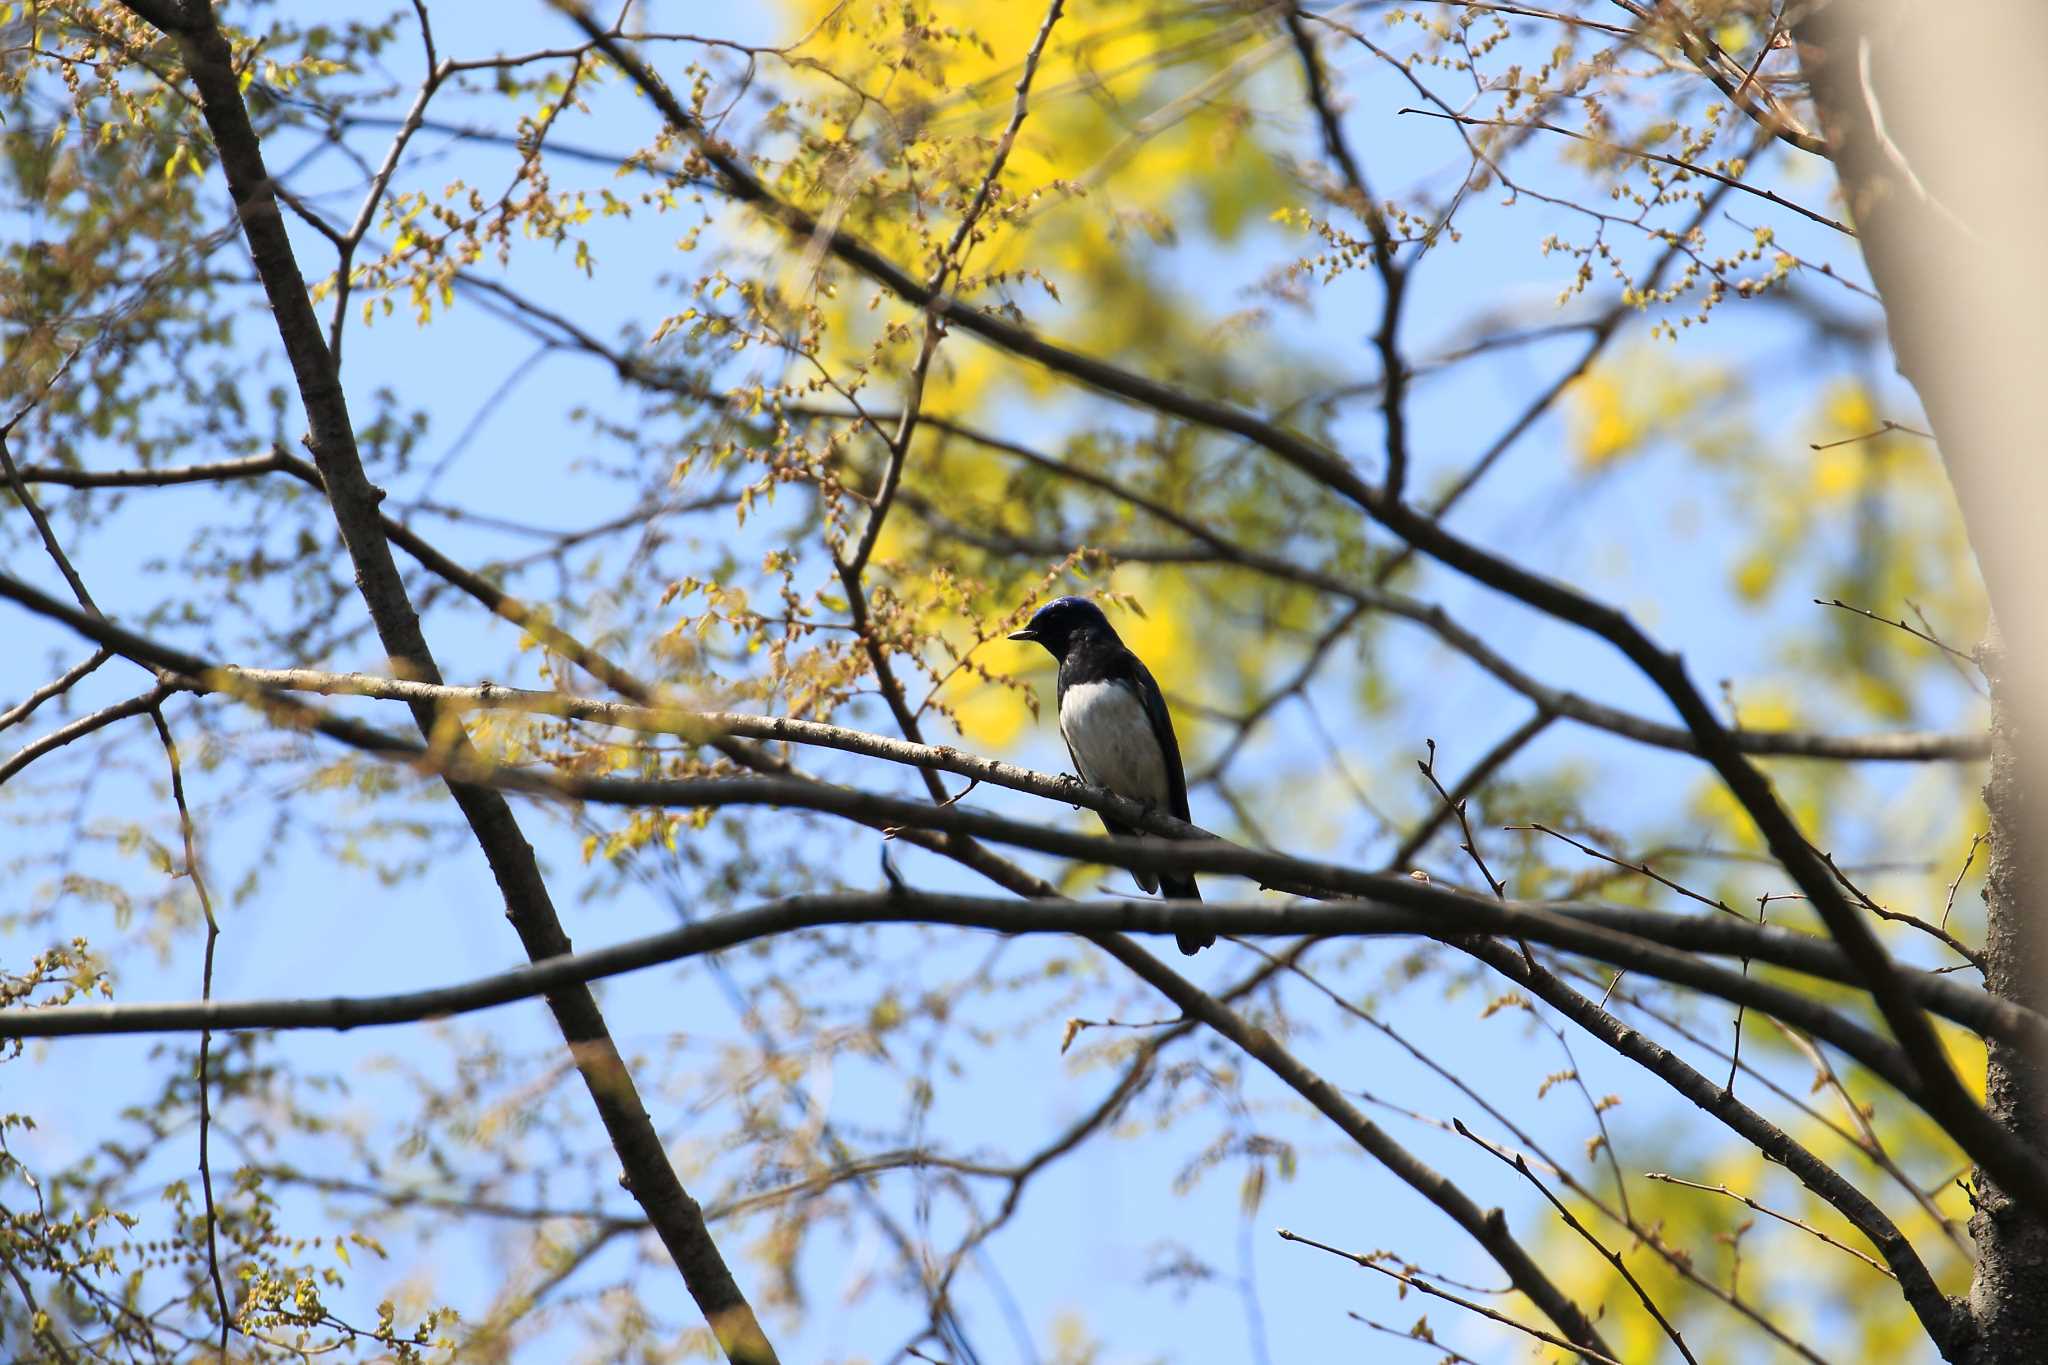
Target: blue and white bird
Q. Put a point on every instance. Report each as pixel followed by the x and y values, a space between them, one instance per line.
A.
pixel 1116 726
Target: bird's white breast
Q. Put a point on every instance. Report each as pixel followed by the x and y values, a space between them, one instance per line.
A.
pixel 1106 726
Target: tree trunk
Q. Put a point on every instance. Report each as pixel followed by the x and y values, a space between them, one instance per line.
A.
pixel 1932 119
pixel 1933 123
pixel 2009 1296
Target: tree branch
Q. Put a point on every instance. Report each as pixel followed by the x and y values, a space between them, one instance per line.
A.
pixel 1422 1285
pixel 1455 918
pixel 209 61
pixel 214 471
pixel 1393 278
pixel 1186 847
pixel 1622 149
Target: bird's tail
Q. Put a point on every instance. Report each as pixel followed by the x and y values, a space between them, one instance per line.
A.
pixel 1183 888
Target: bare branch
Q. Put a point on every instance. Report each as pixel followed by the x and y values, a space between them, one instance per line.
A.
pixel 1740 86
pixel 78 729
pixel 1607 1253
pixel 216 471
pixel 1785 1218
pixel 1948 906
pixel 1420 1336
pixel 1467 786
pixel 1487 1227
pixel 1899 624
pixel 1451 917
pixel 2018 1168
pixel 198 878
pixel 71 677
pixel 1689 167
pixel 1884 428
pixel 1898 747
pixel 1393 277
pixel 1193 850
pixel 1457 808
pixel 1416 1282
pixel 1639 868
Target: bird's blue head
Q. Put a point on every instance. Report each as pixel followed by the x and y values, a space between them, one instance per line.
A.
pixel 1056 624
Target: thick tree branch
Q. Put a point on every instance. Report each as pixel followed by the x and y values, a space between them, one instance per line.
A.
pixel 209 61
pixel 1444 915
pixel 1452 918
pixel 1185 847
pixel 165 476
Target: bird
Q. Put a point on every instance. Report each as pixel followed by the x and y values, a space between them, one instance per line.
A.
pixel 1116 725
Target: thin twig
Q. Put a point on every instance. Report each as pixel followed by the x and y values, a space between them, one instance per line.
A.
pixel 59 685
pixel 1613 1258
pixel 1489 763
pixel 1457 808
pixel 1715 64
pixel 1394 372
pixel 1942 1320
pixel 42 523
pixel 1884 428
pixel 1954 944
pixel 78 729
pixel 1074 1027
pixel 1786 1218
pixel 1640 868
pixel 1679 1261
pixel 1763 904
pixel 163 476
pixel 1418 1283
pixel 1972 680
pixel 1419 1334
pixel 192 870
pixel 1949 905
pixel 1899 624
pixel 1691 168
pixel 1861 1140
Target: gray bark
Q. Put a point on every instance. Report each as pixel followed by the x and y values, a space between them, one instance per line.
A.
pixel 1932 119
pixel 2009 1295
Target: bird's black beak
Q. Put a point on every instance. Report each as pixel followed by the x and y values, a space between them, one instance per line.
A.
pixel 1027 635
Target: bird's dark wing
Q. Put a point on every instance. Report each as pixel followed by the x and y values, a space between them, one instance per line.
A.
pixel 1162 730
pixel 1180 887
